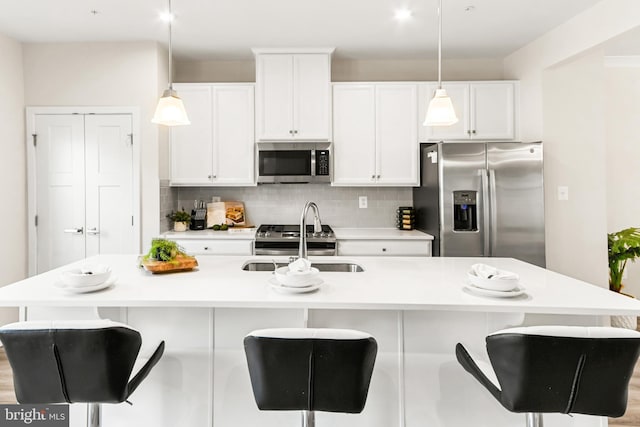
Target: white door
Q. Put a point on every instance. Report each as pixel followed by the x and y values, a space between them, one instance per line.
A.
pixel 397 134
pixel 191 145
pixel 84 187
pixel 492 110
pixel 60 190
pixel 354 138
pixel 109 190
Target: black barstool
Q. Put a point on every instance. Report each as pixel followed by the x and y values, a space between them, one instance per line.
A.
pixel 310 370
pixel 75 362
pixel 557 369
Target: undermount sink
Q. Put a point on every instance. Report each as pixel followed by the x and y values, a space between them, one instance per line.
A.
pixel 339 267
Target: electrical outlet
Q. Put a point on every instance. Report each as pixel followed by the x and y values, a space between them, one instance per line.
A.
pixel 362 202
pixel 563 193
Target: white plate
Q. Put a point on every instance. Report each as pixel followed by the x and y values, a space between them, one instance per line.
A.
pixel 495 294
pixel 85 289
pixel 276 286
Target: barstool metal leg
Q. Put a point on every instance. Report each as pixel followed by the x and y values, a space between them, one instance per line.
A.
pixel 534 419
pixel 308 419
pixel 94 417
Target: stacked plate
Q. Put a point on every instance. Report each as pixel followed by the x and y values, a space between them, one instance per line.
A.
pixel 296 281
pixel 88 278
pixel 490 281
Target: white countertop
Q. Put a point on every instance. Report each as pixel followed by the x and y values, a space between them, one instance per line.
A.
pixel 235 234
pixel 380 234
pixel 388 283
pixel 341 234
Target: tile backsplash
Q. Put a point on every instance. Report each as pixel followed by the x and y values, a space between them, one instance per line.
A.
pixel 282 204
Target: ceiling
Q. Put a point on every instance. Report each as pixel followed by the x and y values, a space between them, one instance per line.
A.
pixel 358 29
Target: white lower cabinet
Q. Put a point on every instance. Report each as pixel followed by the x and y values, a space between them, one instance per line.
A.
pixel 216 247
pixel 217 149
pixel 375 134
pixel 384 247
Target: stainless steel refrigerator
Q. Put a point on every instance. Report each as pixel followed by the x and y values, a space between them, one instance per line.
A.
pixel 482 199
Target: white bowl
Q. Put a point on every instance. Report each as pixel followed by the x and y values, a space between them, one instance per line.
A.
pixel 494 284
pixel 88 275
pixel 297 279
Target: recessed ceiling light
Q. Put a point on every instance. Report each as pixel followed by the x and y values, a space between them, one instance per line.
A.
pixel 403 14
pixel 166 16
pixel 94 12
pixel 470 8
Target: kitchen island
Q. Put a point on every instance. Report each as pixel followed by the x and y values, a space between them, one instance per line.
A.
pixel 417 308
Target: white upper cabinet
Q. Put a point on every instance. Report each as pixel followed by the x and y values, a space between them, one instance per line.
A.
pixel 191 145
pixel 217 149
pixel 293 98
pixel 486 111
pixel 375 134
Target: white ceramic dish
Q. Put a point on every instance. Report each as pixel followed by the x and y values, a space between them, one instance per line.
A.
pixel 494 294
pixel 85 289
pixel 297 279
pixel 87 275
pixel 492 284
pixel 276 286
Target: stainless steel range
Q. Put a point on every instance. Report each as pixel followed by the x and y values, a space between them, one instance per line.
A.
pixel 285 240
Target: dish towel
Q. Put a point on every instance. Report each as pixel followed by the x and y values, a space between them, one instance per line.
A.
pixel 300 265
pixel 488 272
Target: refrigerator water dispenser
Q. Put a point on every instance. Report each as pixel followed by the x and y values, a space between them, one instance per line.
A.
pixel 465 211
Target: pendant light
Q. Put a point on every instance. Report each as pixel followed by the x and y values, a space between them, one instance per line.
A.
pixel 440 111
pixel 170 110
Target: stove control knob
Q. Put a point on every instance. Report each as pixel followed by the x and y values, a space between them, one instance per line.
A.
pixel 260 234
pixel 324 234
pixel 267 234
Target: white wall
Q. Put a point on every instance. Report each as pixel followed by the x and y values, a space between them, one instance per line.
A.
pixel 345 70
pixel 594 26
pixel 562 79
pixel 575 149
pixel 623 155
pixel 13 251
pixel 104 74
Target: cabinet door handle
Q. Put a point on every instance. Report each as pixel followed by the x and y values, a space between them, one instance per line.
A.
pixel 295 132
pixel 469 132
pixel 94 231
pixel 291 132
pixel 378 177
pixel 373 177
pixel 473 132
pixel 74 230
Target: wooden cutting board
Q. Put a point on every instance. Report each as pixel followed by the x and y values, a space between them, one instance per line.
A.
pixel 180 263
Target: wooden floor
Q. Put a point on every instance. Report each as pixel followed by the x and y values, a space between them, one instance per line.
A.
pixel 631 418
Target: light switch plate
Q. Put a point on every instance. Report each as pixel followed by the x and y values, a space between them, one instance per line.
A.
pixel 563 192
pixel 362 202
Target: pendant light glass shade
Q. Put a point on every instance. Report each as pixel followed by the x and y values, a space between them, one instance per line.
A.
pixel 440 111
pixel 170 110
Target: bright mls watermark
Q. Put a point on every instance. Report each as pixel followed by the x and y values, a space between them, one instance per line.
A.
pixel 34 415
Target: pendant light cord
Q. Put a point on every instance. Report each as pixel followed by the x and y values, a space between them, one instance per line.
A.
pixel 171 48
pixel 439 45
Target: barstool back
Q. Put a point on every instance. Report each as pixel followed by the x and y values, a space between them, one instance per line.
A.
pixel 559 369
pixel 74 361
pixel 310 369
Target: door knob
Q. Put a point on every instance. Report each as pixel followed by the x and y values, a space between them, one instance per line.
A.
pixel 93 231
pixel 74 230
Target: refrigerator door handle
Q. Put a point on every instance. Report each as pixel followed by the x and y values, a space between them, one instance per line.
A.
pixel 485 212
pixel 493 209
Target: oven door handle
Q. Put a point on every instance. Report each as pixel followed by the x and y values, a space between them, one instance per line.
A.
pixel 313 252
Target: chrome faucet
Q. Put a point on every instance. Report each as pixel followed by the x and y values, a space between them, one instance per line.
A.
pixel 317 227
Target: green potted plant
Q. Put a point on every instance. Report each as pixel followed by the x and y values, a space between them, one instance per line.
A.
pixel 181 220
pixel 623 245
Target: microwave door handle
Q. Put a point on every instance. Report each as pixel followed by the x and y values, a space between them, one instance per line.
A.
pixel 313 162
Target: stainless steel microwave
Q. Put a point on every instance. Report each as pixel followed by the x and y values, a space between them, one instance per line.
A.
pixel 291 163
